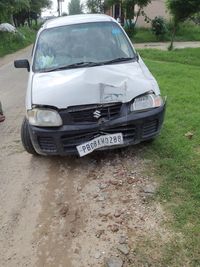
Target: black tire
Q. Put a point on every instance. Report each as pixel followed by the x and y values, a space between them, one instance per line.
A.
pixel 25 137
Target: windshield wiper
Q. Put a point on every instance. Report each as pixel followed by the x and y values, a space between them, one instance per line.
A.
pixel 74 65
pixel 119 59
pixel 88 64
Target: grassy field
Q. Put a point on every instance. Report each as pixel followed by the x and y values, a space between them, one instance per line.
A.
pixel 176 157
pixel 186 32
pixel 10 42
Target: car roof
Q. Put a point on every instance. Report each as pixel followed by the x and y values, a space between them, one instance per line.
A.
pixel 76 19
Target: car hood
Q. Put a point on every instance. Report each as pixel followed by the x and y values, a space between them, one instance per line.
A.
pixel 93 85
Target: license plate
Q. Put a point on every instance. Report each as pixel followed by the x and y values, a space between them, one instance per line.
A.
pixel 99 142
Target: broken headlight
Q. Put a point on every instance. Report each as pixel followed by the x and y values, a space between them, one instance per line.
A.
pixel 147 101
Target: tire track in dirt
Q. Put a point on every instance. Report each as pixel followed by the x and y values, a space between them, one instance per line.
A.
pixel 21 184
pixel 62 216
pixel 92 203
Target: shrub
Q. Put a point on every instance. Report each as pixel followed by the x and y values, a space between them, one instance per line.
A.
pixel 10 42
pixel 196 18
pixel 158 27
pixel 131 31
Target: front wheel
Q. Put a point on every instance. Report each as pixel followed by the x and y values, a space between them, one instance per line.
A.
pixel 25 137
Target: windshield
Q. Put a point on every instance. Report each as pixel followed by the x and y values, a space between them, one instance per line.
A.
pixel 87 44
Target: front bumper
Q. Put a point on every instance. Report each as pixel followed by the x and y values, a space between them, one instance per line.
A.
pixel 135 127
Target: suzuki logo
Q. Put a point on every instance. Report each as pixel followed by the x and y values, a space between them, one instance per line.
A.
pixel 97 114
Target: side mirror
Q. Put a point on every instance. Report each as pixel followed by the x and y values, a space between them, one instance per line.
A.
pixel 22 63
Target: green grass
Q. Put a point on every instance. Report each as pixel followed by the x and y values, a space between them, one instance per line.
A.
pixel 187 56
pixel 177 158
pixel 10 42
pixel 186 32
pixel 143 35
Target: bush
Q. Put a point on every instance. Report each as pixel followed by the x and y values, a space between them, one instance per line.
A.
pixel 158 27
pixel 11 42
pixel 131 31
pixel 37 26
pixel 196 18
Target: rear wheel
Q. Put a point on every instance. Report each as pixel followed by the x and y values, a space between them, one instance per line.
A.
pixel 25 137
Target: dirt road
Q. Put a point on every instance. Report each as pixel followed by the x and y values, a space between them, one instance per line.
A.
pixel 94 211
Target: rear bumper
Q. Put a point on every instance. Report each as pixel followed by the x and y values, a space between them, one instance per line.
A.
pixel 135 127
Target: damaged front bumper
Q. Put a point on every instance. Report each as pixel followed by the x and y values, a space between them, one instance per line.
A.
pixel 135 128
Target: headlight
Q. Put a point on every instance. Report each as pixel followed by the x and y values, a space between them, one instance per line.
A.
pixel 147 101
pixel 44 117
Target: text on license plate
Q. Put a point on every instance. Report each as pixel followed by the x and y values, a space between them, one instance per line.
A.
pixel 100 141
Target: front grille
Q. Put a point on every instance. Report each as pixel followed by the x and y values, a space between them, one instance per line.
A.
pixel 149 128
pixel 128 131
pixel 87 113
pixel 70 142
pixel 47 144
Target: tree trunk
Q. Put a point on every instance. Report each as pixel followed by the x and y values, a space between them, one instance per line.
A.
pixel 137 16
pixel 173 36
pixel 130 13
pixel 130 23
pixel 12 20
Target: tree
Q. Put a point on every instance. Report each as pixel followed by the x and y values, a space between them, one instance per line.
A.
pixel 181 10
pixel 158 27
pixel 22 9
pixel 3 10
pixel 132 9
pixel 131 13
pixel 8 7
pixel 95 6
pixel 75 7
pixel 37 5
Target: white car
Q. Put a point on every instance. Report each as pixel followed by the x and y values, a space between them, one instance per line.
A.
pixel 88 89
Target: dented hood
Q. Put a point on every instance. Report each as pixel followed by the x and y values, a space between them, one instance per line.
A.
pixel 94 85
